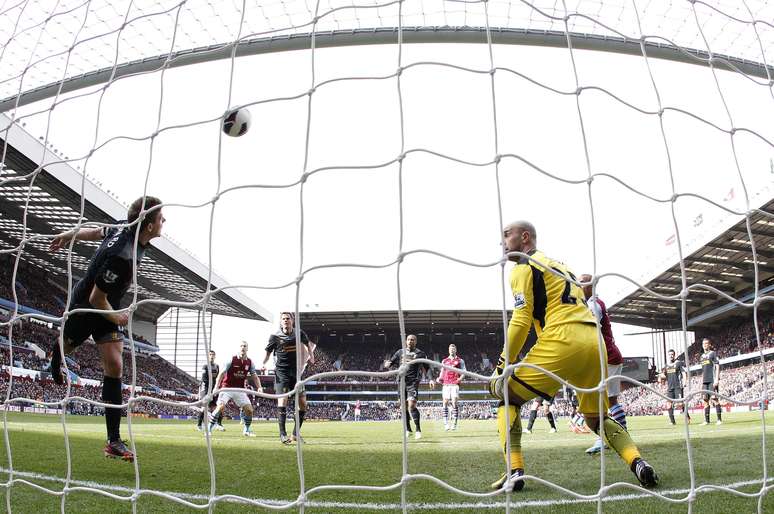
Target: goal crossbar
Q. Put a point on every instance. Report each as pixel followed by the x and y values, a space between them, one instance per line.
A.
pixel 389 35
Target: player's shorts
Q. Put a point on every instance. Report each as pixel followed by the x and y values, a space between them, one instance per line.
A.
pixel 284 381
pixel 241 399
pixel 570 351
pixel 82 325
pixel 675 393
pixel 450 392
pixel 412 390
pixel 710 387
pixel 614 386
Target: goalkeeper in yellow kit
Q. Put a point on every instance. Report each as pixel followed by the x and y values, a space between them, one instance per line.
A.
pixel 567 345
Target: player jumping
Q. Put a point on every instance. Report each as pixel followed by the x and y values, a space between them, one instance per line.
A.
pixel 412 381
pixel 283 346
pixel 235 374
pixel 107 279
pixel 566 346
pixel 710 378
pixel 451 387
pixel 614 360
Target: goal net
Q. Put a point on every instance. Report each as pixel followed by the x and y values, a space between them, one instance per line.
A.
pixel 615 125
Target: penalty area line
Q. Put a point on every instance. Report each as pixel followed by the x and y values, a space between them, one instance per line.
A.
pixel 383 506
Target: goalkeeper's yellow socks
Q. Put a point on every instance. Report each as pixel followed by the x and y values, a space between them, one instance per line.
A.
pixel 618 439
pixel 512 431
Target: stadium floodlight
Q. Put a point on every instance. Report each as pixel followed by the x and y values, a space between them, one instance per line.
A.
pixel 60 54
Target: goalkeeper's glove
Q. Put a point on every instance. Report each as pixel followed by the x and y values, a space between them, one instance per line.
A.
pixel 497 381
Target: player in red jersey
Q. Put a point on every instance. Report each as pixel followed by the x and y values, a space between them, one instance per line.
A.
pixel 235 374
pixel 451 387
pixel 357 410
pixel 614 359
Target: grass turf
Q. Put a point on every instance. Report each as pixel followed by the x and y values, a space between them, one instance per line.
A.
pixel 173 458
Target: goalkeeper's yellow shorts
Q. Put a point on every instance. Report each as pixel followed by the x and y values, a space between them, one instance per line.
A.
pixel 570 351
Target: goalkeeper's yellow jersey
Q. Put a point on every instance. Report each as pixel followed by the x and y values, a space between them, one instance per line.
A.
pixel 544 299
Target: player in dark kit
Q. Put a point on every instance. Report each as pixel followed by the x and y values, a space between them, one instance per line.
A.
pixel 107 279
pixel 413 379
pixel 710 378
pixel 211 369
pixel 676 375
pixel 283 346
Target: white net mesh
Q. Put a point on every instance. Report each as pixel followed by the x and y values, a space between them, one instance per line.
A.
pixel 72 42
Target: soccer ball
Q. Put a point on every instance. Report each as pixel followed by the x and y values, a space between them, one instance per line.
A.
pixel 236 122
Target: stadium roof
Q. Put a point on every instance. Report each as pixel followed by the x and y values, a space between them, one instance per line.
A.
pixel 361 321
pixel 725 263
pixel 167 271
pixel 85 43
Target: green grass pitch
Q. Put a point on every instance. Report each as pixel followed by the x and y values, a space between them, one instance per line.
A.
pixel 173 458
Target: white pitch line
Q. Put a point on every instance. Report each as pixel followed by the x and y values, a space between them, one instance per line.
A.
pixel 383 506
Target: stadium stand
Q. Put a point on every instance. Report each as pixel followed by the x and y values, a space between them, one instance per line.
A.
pixel 743 384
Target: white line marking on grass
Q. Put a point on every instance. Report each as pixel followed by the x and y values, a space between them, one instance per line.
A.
pixel 381 506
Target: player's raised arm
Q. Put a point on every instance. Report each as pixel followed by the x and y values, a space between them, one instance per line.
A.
pixel 82 234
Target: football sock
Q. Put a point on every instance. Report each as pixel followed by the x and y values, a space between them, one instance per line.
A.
pixel 718 411
pixel 446 415
pixel 672 415
pixel 111 393
pixel 550 417
pixel 706 414
pixel 618 414
pixel 512 433
pixel 408 420
pixel 532 416
pixel 618 439
pixel 415 417
pixel 219 418
pixel 456 414
pixel 248 419
pixel 201 418
pixel 282 413
pixel 301 416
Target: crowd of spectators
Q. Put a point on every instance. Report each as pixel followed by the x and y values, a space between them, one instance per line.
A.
pixel 742 384
pixel 38 390
pixel 737 339
pixel 31 291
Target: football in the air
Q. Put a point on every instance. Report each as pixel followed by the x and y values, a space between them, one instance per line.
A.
pixel 236 122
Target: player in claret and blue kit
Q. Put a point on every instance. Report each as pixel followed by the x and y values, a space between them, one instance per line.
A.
pixel 234 374
pixel 107 279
